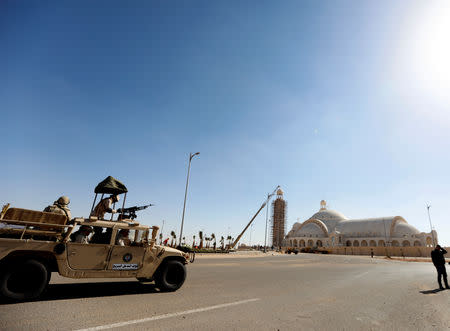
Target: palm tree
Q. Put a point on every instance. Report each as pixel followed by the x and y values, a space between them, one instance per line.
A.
pixel 229 241
pixel 174 236
pixel 222 240
pixel 213 237
pixel 193 241
pixel 200 235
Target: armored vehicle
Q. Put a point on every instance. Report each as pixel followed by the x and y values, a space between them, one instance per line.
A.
pixel 33 244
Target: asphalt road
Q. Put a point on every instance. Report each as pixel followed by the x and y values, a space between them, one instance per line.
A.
pixel 285 292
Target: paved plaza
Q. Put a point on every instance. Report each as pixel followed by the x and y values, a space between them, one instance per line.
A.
pixel 279 292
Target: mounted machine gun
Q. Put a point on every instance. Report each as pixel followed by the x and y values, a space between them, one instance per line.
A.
pixel 130 213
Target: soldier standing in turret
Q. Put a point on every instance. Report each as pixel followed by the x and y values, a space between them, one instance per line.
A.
pixel 104 206
pixel 60 206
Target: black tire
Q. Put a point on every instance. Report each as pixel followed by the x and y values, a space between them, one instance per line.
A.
pixel 23 280
pixel 170 276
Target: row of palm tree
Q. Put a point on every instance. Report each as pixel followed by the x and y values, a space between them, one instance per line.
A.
pixel 204 242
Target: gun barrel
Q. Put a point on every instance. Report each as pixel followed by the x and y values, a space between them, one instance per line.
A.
pixel 133 209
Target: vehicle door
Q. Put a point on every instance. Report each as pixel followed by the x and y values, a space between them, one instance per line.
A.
pixel 92 256
pixel 87 256
pixel 130 256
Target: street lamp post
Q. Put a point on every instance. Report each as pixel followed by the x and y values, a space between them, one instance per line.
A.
pixel 267 218
pixel 385 238
pixel 185 193
pixel 431 226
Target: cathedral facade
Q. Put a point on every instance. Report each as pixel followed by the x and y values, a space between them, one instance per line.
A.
pixel 329 228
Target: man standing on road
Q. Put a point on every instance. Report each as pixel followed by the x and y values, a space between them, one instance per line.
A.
pixel 437 255
pixel 104 206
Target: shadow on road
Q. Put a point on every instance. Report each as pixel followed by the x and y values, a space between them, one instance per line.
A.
pixel 431 291
pixel 93 290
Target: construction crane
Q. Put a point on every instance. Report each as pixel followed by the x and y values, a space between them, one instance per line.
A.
pixel 249 223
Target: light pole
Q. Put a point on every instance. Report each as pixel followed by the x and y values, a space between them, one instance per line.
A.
pixel 185 192
pixel 385 238
pixel 431 226
pixel 161 233
pixel 267 218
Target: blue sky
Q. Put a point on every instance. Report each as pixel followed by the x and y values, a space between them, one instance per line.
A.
pixel 344 101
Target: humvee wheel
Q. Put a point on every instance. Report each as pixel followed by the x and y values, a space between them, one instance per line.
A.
pixel 24 280
pixel 170 276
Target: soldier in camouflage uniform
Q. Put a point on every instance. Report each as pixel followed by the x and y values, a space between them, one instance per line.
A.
pixel 104 206
pixel 82 235
pixel 60 206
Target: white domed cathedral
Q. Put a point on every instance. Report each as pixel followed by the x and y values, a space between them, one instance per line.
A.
pixel 331 229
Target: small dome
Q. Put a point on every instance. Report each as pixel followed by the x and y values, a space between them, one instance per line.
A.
pixel 309 230
pixel 402 229
pixel 280 191
pixel 296 226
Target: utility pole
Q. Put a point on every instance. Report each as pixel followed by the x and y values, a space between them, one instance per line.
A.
pixel 267 218
pixel 162 232
pixel 431 226
pixel 191 155
pixel 385 238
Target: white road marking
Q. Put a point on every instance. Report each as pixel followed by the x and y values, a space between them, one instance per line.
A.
pixel 360 275
pixel 159 317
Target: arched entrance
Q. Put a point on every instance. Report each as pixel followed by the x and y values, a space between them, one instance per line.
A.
pixel 417 243
pixel 295 243
pixel 302 243
pixel 395 243
pixel 319 243
pixel 406 243
pixel 381 243
pixel 355 243
pixel 363 243
pixel 348 243
pixel 373 243
pixel 310 243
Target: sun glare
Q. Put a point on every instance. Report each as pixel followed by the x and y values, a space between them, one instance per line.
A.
pixel 429 50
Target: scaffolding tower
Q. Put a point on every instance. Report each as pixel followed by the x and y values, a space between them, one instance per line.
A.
pixel 278 220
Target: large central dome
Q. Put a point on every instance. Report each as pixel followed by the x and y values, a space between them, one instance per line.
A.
pixel 329 215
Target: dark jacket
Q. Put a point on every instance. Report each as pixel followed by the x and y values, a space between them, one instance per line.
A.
pixel 438 257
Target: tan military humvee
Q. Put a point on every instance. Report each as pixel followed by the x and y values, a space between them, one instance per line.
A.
pixel 33 244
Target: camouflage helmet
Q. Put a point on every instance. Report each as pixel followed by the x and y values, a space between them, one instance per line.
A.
pixel 63 200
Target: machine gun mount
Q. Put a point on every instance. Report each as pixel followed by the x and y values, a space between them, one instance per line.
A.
pixel 130 213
